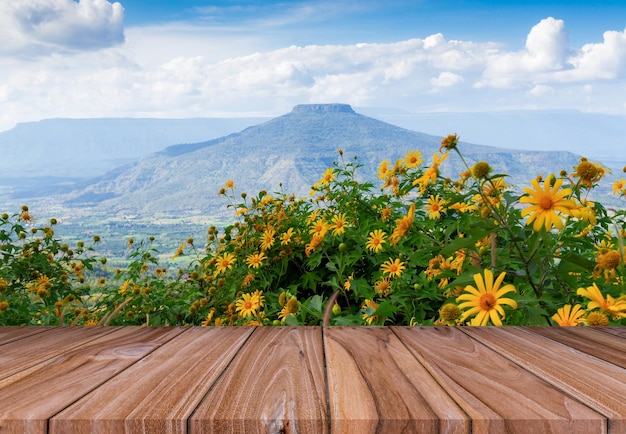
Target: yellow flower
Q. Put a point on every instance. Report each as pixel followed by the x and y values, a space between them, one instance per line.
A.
pixel 480 170
pixel 402 226
pixel 383 169
pixel 284 312
pixel 338 224
pixel 585 212
pixel 615 308
pixel 230 184
pixel 225 262
pixel 313 244
pixel 435 206
pixel 41 286
pixel 449 312
pixel 607 261
pixel 319 227
pixel 267 239
pixel 597 319
pixel 545 202
pixel 413 159
pixel 430 176
pixel 485 301
pixel 259 297
pixel 286 237
pixel 247 305
pixel 347 285
pixel 569 316
pixel 255 259
pixel 463 207
pixel 292 305
pixel 449 142
pixel 393 267
pixel 385 213
pixel 619 186
pixel 369 309
pixel 383 287
pixel 179 251
pixel 246 280
pixel 375 241
pixel 590 173
pixel 327 177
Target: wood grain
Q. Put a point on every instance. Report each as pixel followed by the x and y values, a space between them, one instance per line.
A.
pixel 589 340
pixel 376 385
pixel 274 384
pixel 50 386
pixel 38 347
pixel 12 333
pixel 616 331
pixel 599 384
pixel 496 393
pixel 312 380
pixel 159 393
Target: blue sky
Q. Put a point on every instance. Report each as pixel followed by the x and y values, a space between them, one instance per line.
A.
pixel 378 21
pixel 193 58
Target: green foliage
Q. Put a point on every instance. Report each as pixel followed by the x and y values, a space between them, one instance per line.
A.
pixel 351 253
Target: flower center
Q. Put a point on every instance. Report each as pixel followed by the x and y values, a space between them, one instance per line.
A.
pixel 545 203
pixel 487 301
pixel 247 305
pixel 610 260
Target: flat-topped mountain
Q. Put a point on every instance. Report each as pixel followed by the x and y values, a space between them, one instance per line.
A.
pixel 287 153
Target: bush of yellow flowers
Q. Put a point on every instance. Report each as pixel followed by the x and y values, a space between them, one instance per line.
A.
pixel 418 249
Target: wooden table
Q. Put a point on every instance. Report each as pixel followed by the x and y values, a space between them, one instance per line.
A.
pixel 312 379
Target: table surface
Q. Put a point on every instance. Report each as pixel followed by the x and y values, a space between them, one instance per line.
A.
pixel 312 379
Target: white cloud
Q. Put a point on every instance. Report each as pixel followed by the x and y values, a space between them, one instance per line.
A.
pixel 541 90
pixel 183 71
pixel 446 79
pixel 546 50
pixel 39 27
pixel 605 60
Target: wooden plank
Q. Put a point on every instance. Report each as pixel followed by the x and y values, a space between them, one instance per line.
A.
pixel 30 350
pixel 158 393
pixel 274 384
pixel 50 386
pixel 12 333
pixel 599 384
pixel 376 385
pixel 589 340
pixel 616 331
pixel 497 394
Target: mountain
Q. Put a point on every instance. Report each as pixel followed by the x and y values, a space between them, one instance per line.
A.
pixel 83 148
pixel 287 153
pixel 597 136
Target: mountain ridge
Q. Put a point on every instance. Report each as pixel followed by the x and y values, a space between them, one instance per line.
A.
pixel 82 148
pixel 287 153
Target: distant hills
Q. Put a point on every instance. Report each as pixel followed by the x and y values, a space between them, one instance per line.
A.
pixel 84 148
pixel 289 153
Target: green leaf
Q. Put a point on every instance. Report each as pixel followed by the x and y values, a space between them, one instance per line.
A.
pixel 385 309
pixel 316 303
pixel 291 320
pixel 462 243
pixel 578 261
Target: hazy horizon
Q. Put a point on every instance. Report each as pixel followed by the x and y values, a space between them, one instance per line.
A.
pixel 397 60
